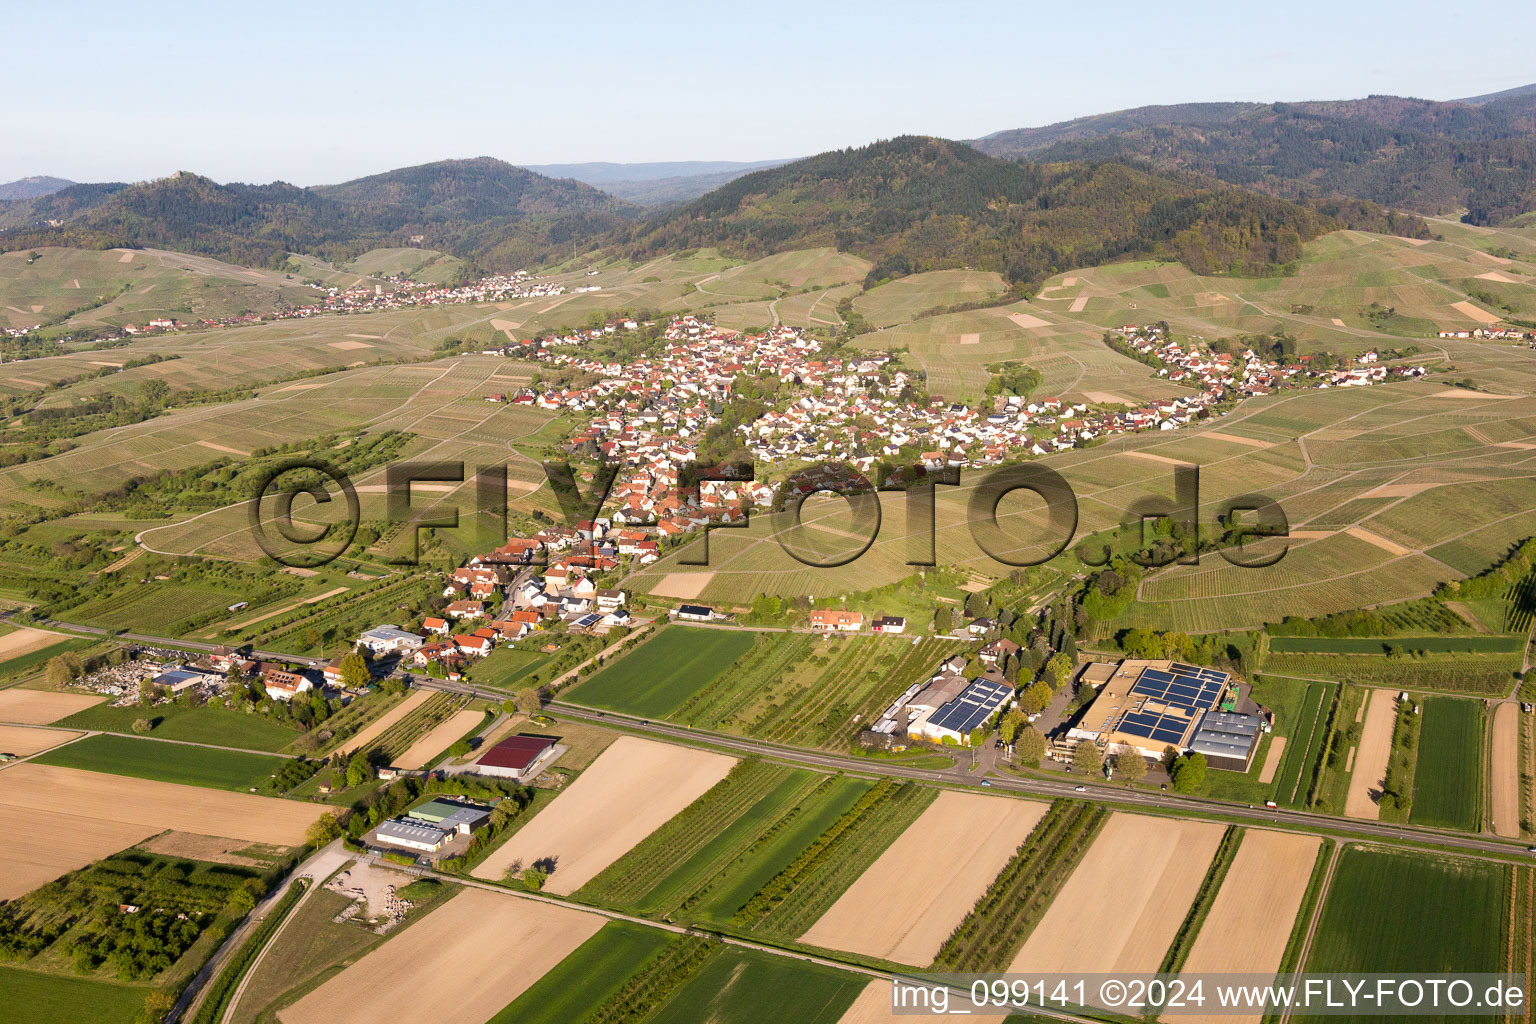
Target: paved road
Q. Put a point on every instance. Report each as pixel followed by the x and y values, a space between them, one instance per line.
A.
pixel 961 775
pixel 166 641
pixel 320 866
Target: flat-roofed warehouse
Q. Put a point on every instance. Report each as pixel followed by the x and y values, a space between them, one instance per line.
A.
pixel 1228 739
pixel 412 834
pixel 1151 706
pixel 516 757
pixel 971 707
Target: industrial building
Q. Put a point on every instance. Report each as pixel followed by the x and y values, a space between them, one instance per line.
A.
pixel 517 757
pixel 452 816
pixel 412 834
pixel 1153 705
pixel 1228 740
pixel 971 708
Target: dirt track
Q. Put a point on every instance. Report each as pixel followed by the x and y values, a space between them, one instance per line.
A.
pixel 24 742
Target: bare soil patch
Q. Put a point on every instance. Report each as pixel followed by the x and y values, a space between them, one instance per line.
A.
pixel 1339 323
pixel 1494 275
pixel 348 346
pixel 25 640
pixel 1370 772
pixel 126 257
pixel 1392 547
pixel 39 707
pixel 26 740
pixel 1466 393
pixel 439 739
pixel 1504 771
pixel 222 448
pixel 413 700
pixel 631 790
pixel 970 339
pixel 461 964
pixel 685 585
pixel 1165 460
pixel 1105 398
pixel 1251 917
pixel 1251 442
pixel 1272 760
pixel 214 849
pixel 883 915
pixel 1027 321
pixel 1121 908
pixel 60 819
pixel 1397 491
pixel 1477 313
pixel 1078 304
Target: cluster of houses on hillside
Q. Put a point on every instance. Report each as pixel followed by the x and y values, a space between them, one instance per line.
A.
pixel 1220 375
pixel 392 293
pixel 1492 333
pixel 498 598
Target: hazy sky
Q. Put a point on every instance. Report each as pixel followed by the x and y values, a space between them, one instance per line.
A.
pixel 315 92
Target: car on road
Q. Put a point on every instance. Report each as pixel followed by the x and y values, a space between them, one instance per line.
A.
pixel 1079 789
pixel 986 782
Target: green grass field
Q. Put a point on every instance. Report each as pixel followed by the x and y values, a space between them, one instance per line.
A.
pixel 504 666
pixel 216 726
pixel 717 898
pixel 743 986
pixel 1296 705
pixel 166 762
pixel 32 997
pixel 586 978
pixel 1448 783
pixel 659 675
pixel 1389 911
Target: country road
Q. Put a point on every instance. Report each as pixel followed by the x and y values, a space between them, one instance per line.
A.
pixel 961 775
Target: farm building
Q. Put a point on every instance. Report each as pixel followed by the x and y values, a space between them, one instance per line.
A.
pixel 1151 706
pixel 972 707
pixel 888 624
pixel 1228 739
pixel 695 613
pixel 388 640
pixel 412 834
pixel 517 757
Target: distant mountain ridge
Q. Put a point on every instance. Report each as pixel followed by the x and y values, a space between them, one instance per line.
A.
pixel 656 184
pixel 482 209
pixel 32 187
pixel 1421 155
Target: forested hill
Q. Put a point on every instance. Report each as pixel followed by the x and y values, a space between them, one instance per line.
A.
pixel 31 188
pixel 917 203
pixel 492 212
pixel 1412 154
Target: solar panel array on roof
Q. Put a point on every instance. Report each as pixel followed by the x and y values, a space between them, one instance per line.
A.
pixel 1166 703
pixel 972 706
